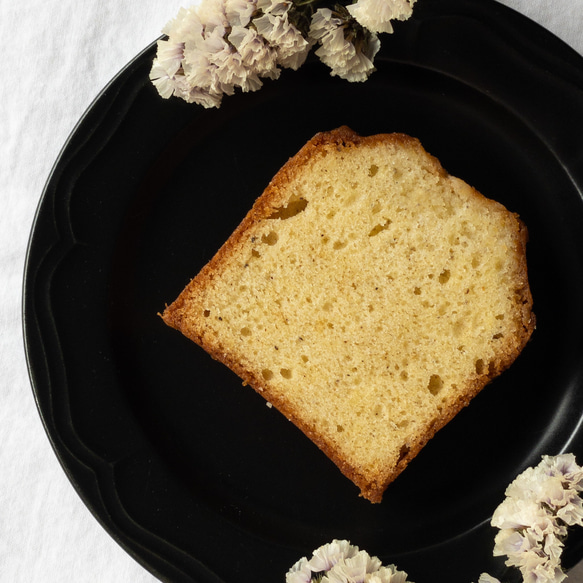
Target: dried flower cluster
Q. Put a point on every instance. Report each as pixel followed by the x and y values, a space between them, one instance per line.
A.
pixel 533 519
pixel 540 505
pixel 218 46
pixel 341 562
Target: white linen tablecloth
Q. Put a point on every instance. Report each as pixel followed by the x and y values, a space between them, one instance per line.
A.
pixel 57 56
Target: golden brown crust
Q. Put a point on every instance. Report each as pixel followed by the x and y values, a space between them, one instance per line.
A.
pixel 269 202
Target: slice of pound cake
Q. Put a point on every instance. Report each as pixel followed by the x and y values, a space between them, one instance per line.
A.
pixel 368 295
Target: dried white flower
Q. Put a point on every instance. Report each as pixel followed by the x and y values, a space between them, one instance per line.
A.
pixel 276 28
pixel 388 574
pixel 184 26
pixel 299 573
pixel 170 55
pixel 352 568
pixel 572 513
pixel 513 543
pixel 537 569
pixel 239 12
pixel 167 68
pixel 213 14
pixel 218 46
pixel 349 55
pixel 341 562
pixel 485 578
pixel 169 82
pixel 376 15
pixel 564 466
pixel 167 73
pixel 211 50
pixel 516 513
pixel 539 506
pixel 326 556
pixel 255 52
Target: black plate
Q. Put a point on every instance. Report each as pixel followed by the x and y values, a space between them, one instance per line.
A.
pixel 192 473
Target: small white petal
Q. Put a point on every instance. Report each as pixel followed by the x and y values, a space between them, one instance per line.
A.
pixel 326 556
pixel 288 42
pixel 299 573
pixel 376 15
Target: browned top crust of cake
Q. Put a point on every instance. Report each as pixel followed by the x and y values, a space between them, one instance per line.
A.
pixel 368 295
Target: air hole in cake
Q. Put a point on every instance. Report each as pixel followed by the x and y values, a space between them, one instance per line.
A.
pixel 435 384
pixel 286 373
pixel 327 307
pixel 293 208
pixel 379 228
pixel 339 245
pixel 404 375
pixel 444 276
pixel 267 374
pixel 497 336
pixel 271 238
pixel 373 170
pixel 255 253
pixel 339 428
pixel 443 308
pixel 206 313
pixel 404 451
pixel 500 317
pixel 245 331
pixel 480 366
pixel 417 291
pixel 304 358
